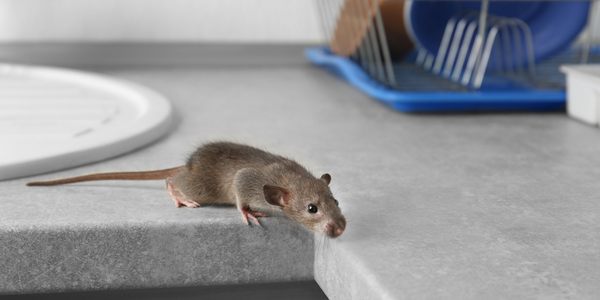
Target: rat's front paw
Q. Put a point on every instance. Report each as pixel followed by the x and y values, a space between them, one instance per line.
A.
pixel 247 213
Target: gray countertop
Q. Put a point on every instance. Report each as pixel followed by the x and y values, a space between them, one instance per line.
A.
pixel 452 206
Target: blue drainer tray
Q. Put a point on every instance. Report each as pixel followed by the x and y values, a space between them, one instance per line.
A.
pixel 418 90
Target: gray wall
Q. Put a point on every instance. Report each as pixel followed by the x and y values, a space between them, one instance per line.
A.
pixel 245 21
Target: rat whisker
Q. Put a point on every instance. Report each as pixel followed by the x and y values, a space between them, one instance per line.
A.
pixel 338 189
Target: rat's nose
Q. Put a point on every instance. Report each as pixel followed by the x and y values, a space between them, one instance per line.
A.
pixel 336 229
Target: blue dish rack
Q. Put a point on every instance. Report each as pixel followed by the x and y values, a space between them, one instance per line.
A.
pixel 420 91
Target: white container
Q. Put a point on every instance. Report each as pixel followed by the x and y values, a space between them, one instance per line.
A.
pixel 583 92
pixel 52 119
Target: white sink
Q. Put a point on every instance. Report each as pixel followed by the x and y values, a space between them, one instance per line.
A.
pixel 52 119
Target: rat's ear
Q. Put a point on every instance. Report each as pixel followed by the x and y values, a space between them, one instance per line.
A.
pixel 326 177
pixel 276 195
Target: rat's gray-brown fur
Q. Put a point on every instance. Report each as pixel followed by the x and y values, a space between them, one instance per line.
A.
pixel 252 179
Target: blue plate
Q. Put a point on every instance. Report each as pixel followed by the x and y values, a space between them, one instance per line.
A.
pixel 554 24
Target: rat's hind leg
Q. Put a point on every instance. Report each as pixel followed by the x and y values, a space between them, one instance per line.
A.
pixel 179 198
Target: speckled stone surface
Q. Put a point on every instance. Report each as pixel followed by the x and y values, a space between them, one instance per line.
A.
pixel 151 254
pixel 439 206
pixel 467 206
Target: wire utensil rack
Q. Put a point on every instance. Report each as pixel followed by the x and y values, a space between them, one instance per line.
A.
pixel 483 61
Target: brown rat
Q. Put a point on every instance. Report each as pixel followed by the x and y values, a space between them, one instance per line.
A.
pixel 252 179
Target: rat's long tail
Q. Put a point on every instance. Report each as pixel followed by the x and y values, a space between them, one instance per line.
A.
pixel 145 175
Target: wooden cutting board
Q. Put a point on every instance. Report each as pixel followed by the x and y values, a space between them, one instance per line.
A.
pixel 357 16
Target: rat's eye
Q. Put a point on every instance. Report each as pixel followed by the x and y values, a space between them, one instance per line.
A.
pixel 312 208
pixel 336 202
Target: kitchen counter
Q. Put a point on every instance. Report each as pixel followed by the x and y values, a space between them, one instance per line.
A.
pixel 453 206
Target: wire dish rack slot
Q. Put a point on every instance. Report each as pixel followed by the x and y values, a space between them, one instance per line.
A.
pixel 481 61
